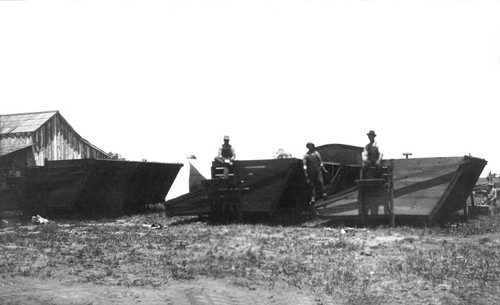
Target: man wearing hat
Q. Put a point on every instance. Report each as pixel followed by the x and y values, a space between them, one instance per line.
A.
pixel 372 157
pixel 313 168
pixel 491 199
pixel 226 156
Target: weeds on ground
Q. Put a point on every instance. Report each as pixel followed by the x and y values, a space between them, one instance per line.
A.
pixel 123 252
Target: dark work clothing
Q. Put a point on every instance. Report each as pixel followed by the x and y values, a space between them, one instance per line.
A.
pixel 312 160
pixel 371 154
pixel 313 168
pixel 226 151
pixel 316 182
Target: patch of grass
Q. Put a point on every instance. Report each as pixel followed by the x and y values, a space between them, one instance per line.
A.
pixel 474 226
pixel 315 258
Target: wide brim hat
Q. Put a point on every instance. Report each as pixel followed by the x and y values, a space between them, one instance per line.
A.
pixel 226 138
pixel 371 133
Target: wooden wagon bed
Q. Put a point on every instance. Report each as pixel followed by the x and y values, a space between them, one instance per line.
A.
pixel 426 188
pixel 99 187
pixel 256 186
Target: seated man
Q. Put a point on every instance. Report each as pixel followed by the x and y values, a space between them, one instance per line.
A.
pixel 226 156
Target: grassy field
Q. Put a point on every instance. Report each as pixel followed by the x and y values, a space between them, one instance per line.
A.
pixel 457 263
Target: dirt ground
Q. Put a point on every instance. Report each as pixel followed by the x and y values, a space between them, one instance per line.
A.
pixel 49 279
pixel 194 292
pixel 63 289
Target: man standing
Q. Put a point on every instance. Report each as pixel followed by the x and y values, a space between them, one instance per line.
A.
pixel 226 156
pixel 371 154
pixel 491 199
pixel 313 168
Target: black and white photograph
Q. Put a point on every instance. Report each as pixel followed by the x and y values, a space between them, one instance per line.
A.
pixel 235 152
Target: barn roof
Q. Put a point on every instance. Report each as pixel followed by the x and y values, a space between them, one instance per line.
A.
pixel 31 122
pixel 5 150
pixel 24 122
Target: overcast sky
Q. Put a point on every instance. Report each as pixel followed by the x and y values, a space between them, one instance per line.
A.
pixel 163 80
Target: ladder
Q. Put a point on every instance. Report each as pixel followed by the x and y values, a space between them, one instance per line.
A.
pixel 224 193
pixel 375 189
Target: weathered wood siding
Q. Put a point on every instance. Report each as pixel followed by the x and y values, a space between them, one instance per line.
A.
pixel 423 187
pixel 99 187
pixel 341 154
pixel 266 186
pixel 54 140
pixel 12 169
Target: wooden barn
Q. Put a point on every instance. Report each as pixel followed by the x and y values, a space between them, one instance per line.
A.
pixel 50 136
pixel 46 168
pixel 28 139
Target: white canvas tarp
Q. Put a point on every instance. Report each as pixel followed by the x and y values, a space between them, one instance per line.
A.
pixel 188 179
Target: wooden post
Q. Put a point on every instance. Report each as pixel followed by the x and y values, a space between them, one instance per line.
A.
pixel 391 207
pixel 236 185
pixel 466 210
pixel 407 154
pixel 472 203
pixel 361 203
pixel 391 196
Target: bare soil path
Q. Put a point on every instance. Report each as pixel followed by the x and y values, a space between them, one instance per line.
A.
pixel 28 291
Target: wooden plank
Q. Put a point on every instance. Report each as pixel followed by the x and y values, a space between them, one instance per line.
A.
pixel 262 182
pixel 433 192
pixel 264 197
pixel 419 184
pixel 351 209
pixel 256 206
pixel 420 204
pixel 337 202
pixel 348 194
pixel 426 168
pixel 343 205
pixel 109 186
pixel 423 200
pixel 415 165
pixel 414 178
pixel 446 194
pixel 193 203
pixel 341 154
pixel 401 189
